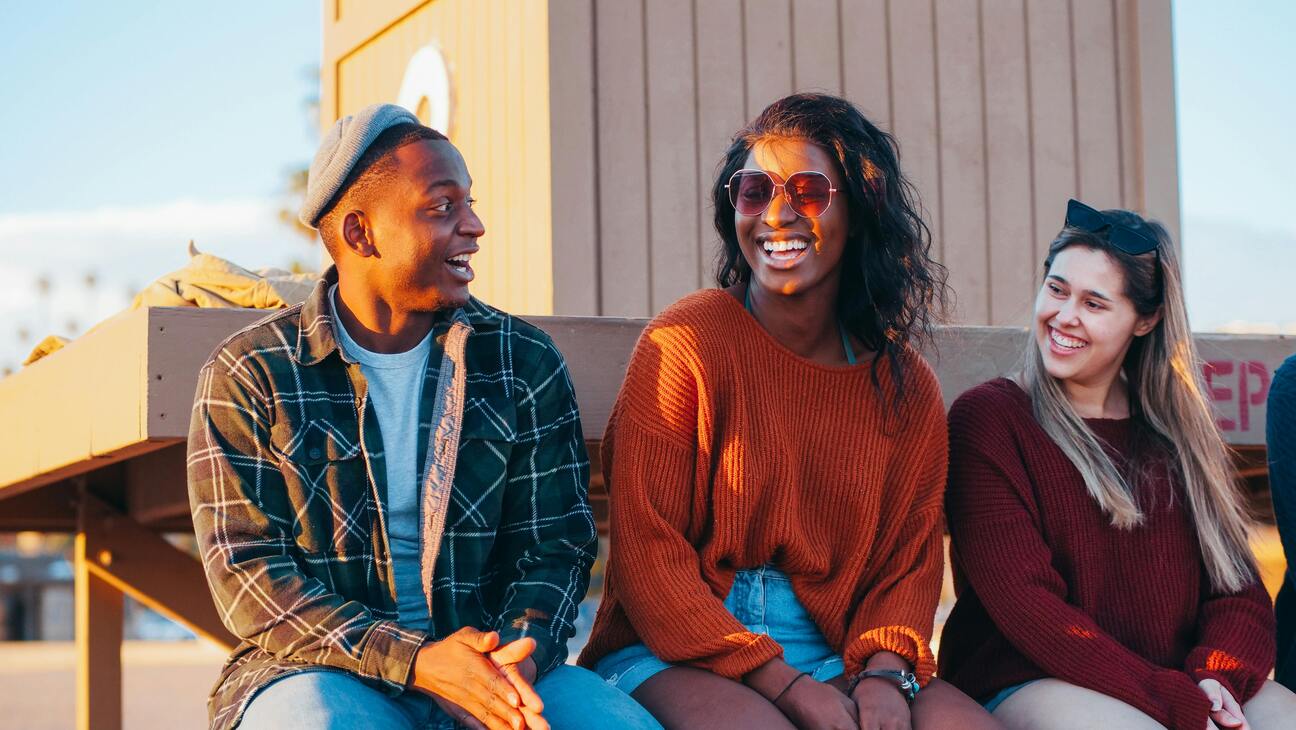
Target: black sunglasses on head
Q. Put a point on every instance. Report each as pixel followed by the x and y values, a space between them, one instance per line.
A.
pixel 1130 240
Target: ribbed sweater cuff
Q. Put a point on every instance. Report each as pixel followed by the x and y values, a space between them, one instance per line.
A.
pixel 1237 677
pixel 902 640
pixel 1241 688
pixel 742 661
pixel 1188 707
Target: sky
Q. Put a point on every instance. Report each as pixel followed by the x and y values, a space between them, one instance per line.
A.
pixel 134 126
pixel 1237 160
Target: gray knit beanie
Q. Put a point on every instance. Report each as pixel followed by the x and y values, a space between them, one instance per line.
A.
pixel 340 149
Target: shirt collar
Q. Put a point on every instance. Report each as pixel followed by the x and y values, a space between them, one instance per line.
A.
pixel 316 338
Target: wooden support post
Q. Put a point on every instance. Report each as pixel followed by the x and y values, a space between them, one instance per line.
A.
pixel 116 556
pixel 140 563
pixel 98 641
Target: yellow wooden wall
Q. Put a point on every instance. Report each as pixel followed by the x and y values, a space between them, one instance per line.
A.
pixel 1003 110
pixel 498 57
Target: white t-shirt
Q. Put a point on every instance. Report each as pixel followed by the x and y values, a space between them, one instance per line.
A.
pixel 395 388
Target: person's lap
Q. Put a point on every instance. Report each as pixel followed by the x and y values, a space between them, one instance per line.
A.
pixel 763 600
pixel 578 699
pixel 326 699
pixel 685 697
pixel 942 705
pixel 574 699
pixel 1051 704
pixel 1274 706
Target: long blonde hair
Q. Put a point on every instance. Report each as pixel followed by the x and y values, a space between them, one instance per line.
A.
pixel 1167 401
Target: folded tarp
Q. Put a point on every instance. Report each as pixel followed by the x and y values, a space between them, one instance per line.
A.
pixel 211 282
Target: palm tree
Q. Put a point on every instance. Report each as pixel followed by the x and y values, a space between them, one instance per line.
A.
pixel 295 177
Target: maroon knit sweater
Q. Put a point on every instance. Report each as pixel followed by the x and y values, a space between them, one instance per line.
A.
pixel 1048 588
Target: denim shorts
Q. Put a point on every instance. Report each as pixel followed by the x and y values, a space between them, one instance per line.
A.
pixel 763 600
pixel 998 697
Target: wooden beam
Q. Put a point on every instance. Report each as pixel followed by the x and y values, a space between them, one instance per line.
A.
pixel 98 610
pixel 52 509
pixel 156 488
pixel 140 563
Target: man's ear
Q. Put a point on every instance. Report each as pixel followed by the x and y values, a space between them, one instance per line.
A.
pixel 1146 324
pixel 357 235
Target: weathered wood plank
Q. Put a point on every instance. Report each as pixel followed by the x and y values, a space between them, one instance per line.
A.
pixel 768 59
pixel 963 157
pixel 1097 129
pixel 597 351
pixel 914 114
pixel 573 170
pixel 866 58
pixel 180 340
pixel 1048 33
pixel 816 47
pixel 720 109
pixel 1008 163
pixel 624 222
pixel 672 137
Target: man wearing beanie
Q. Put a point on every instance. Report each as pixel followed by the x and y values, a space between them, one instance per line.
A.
pixel 388 481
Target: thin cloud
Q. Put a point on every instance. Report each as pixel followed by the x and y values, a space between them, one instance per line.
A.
pixel 1236 276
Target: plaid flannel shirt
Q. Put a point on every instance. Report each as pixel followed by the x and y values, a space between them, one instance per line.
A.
pixel 287 485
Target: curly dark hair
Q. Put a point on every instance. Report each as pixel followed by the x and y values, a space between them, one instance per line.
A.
pixel 892 291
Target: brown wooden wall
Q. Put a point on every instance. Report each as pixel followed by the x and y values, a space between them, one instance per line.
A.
pixel 1003 109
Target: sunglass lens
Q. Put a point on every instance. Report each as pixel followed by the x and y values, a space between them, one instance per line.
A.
pixel 810 193
pixel 750 192
pixel 1131 241
pixel 1083 217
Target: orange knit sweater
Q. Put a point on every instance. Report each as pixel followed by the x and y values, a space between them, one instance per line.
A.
pixel 727 451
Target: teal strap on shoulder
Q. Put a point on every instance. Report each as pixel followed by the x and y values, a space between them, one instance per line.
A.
pixel 846 345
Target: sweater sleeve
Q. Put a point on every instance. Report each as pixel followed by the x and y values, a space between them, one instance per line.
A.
pixel 1006 560
pixel 1235 641
pixel 899 604
pixel 649 460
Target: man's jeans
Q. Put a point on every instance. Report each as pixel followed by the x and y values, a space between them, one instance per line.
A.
pixel 574 699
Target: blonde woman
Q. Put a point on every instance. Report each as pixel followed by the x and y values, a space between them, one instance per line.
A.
pixel 1099 543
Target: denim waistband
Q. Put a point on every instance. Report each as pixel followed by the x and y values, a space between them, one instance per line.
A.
pixel 763 599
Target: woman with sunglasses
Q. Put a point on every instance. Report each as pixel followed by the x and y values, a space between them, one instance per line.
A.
pixel 776 456
pixel 1099 542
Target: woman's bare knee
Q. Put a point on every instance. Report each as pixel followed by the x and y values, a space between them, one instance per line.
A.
pixel 1274 706
pixel 684 697
pixel 1051 704
pixel 941 705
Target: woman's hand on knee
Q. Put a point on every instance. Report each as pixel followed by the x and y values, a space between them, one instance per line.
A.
pixel 812 705
pixel 1226 713
pixel 880 705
